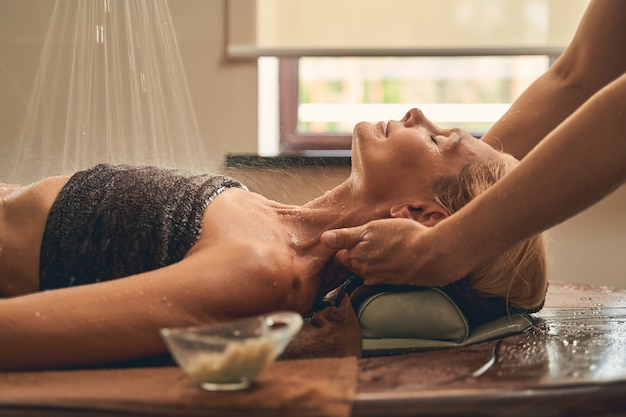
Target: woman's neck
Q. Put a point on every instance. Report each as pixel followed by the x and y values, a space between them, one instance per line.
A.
pixel 340 207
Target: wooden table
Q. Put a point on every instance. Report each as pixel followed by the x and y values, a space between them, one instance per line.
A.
pixel 572 362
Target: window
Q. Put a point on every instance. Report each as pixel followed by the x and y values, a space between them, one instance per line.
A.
pixel 462 61
pixel 321 98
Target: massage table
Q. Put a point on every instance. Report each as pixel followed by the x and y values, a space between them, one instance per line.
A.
pixel 570 361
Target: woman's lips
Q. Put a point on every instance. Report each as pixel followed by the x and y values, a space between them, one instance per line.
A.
pixel 382 126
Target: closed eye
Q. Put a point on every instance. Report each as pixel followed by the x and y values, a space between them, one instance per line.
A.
pixel 434 139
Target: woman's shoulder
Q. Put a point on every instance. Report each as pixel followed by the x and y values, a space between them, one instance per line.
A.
pixel 244 253
pixel 238 214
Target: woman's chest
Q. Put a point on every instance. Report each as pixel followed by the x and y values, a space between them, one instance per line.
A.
pixel 241 215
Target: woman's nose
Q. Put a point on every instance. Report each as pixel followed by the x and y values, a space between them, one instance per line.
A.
pixel 416 117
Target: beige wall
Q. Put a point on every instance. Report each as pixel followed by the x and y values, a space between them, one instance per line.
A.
pixel 589 248
pixel 224 94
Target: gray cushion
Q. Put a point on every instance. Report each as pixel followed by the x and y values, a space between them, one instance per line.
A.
pixel 405 320
pixel 424 313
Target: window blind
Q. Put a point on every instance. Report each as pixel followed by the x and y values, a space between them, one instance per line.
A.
pixel 400 27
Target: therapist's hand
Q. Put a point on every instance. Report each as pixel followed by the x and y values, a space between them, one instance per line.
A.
pixel 388 251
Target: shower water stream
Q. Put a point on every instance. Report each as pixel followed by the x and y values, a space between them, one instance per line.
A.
pixel 110 87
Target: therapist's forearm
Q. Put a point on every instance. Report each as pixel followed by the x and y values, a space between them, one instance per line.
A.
pixel 579 163
pixel 590 62
pixel 542 107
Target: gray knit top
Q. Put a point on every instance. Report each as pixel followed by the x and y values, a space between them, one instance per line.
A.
pixel 113 221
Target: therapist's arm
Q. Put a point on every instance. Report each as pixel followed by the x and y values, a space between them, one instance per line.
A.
pixel 579 163
pixel 590 62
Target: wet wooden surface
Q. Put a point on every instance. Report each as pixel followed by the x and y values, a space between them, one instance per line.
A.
pixel 572 362
pixel 301 388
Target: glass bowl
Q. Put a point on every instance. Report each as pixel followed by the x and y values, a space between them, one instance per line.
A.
pixel 229 356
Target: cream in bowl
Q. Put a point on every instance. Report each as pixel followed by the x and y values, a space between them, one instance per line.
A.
pixel 229 356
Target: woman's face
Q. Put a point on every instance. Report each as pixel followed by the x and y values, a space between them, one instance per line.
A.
pixel 405 156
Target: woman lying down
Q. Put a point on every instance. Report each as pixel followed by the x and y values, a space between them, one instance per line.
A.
pixel 93 265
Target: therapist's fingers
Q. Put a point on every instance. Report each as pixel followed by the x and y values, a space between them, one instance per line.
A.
pixel 342 257
pixel 381 251
pixel 346 238
pixel 355 250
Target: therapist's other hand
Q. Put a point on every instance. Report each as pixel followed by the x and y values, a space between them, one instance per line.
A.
pixel 388 251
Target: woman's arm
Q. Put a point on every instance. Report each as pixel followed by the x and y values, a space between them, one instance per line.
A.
pixel 119 320
pixel 579 163
pixel 591 61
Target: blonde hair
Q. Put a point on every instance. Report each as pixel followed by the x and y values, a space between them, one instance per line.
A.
pixel 519 274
